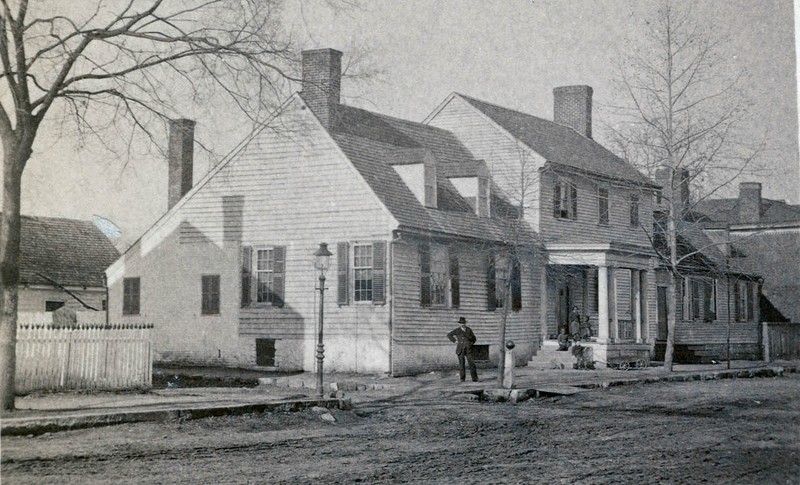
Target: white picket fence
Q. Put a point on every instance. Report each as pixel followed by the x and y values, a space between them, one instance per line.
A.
pixel 53 358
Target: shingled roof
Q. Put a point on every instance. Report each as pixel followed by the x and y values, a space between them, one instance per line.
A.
pixel 369 139
pixel 727 211
pixel 560 144
pixel 67 251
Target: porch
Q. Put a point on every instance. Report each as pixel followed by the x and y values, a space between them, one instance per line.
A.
pixel 612 289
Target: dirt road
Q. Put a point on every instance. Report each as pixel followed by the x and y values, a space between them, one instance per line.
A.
pixel 729 431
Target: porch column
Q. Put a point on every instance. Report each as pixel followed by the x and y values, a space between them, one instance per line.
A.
pixel 643 287
pixel 612 303
pixel 602 304
pixel 636 290
pixel 543 300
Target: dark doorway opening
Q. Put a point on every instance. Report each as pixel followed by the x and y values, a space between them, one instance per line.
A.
pixel 265 352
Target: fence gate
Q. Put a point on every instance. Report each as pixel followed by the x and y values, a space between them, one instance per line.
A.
pixel 781 341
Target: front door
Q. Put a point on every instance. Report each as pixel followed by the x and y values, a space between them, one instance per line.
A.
pixel 662 313
pixel 563 307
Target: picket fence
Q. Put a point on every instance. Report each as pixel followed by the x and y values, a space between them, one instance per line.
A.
pixel 55 358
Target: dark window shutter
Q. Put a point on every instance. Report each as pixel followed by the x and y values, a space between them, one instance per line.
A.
pixel 557 199
pixel 379 272
pixel 737 310
pixel 247 253
pixel 750 303
pixel 343 268
pixel 424 275
pixel 491 284
pixel 573 192
pixel 516 287
pixel 279 276
pixel 455 289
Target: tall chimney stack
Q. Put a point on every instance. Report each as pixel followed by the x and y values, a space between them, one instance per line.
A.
pixel 681 182
pixel 572 106
pixel 749 202
pixel 181 158
pixel 322 79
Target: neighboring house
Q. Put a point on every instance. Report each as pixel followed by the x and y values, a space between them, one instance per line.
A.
pixel 767 233
pixel 226 275
pixel 62 264
pixel 587 205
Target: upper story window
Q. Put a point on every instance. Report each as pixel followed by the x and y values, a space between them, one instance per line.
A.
pixel 362 272
pixel 131 289
pixel 743 304
pixel 565 200
pixel 602 206
pixel 263 275
pixel 210 294
pixel 634 210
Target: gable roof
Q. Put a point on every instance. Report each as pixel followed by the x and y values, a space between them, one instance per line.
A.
pixel 371 140
pixel 560 144
pixel 67 251
pixel 727 211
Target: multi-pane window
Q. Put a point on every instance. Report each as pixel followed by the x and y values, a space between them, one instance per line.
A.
pixel 565 200
pixel 602 206
pixel 700 295
pixel 210 294
pixel 130 296
pixel 634 207
pixel 265 275
pixel 743 301
pixel 440 275
pixel 362 272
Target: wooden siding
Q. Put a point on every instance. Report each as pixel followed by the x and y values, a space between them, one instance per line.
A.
pixel 696 332
pixel 511 164
pixel 33 299
pixel 290 186
pixel 585 228
pixel 416 327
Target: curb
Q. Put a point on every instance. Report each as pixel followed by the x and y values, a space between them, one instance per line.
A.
pixel 41 425
pixel 524 394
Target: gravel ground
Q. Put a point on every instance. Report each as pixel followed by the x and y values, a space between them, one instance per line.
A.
pixel 726 431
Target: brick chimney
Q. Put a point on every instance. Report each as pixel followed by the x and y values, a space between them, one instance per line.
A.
pixel 322 79
pixel 749 202
pixel 180 158
pixel 681 182
pixel 572 106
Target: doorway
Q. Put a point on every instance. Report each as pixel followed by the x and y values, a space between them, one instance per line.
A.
pixel 661 333
pixel 563 307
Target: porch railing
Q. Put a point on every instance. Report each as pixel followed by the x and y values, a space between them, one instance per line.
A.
pixel 625 329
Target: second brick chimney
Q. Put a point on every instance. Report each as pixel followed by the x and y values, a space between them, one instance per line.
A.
pixel 180 159
pixel 322 79
pixel 681 185
pixel 749 202
pixel 572 106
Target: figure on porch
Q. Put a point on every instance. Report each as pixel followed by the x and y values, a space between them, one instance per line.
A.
pixel 586 328
pixel 575 324
pixel 465 338
pixel 563 340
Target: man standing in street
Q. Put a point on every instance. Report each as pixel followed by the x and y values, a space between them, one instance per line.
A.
pixel 465 339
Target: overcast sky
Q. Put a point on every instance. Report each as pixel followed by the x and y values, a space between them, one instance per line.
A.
pixel 510 52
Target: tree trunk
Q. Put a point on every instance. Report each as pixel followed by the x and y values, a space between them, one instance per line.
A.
pixel 501 362
pixel 672 307
pixel 14 160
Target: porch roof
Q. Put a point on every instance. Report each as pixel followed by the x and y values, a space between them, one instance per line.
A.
pixel 606 254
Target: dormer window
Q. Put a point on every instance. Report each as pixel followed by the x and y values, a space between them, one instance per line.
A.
pixel 417 168
pixel 565 200
pixel 476 191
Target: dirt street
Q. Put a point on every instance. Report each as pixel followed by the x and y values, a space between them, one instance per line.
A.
pixel 729 431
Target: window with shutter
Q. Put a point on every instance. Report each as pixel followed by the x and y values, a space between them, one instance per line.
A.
pixel 455 288
pixel 209 294
pixel 362 272
pixel 491 284
pixel 343 272
pixel 246 275
pixel 131 290
pixel 634 210
pixel 379 272
pixel 424 275
pixel 602 206
pixel 565 199
pixel 279 276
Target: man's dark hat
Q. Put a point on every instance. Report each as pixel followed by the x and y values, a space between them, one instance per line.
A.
pixel 462 320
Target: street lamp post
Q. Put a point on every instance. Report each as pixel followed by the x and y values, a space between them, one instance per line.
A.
pixel 321 263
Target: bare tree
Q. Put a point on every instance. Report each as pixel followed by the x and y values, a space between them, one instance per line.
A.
pixel 122 59
pixel 684 114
